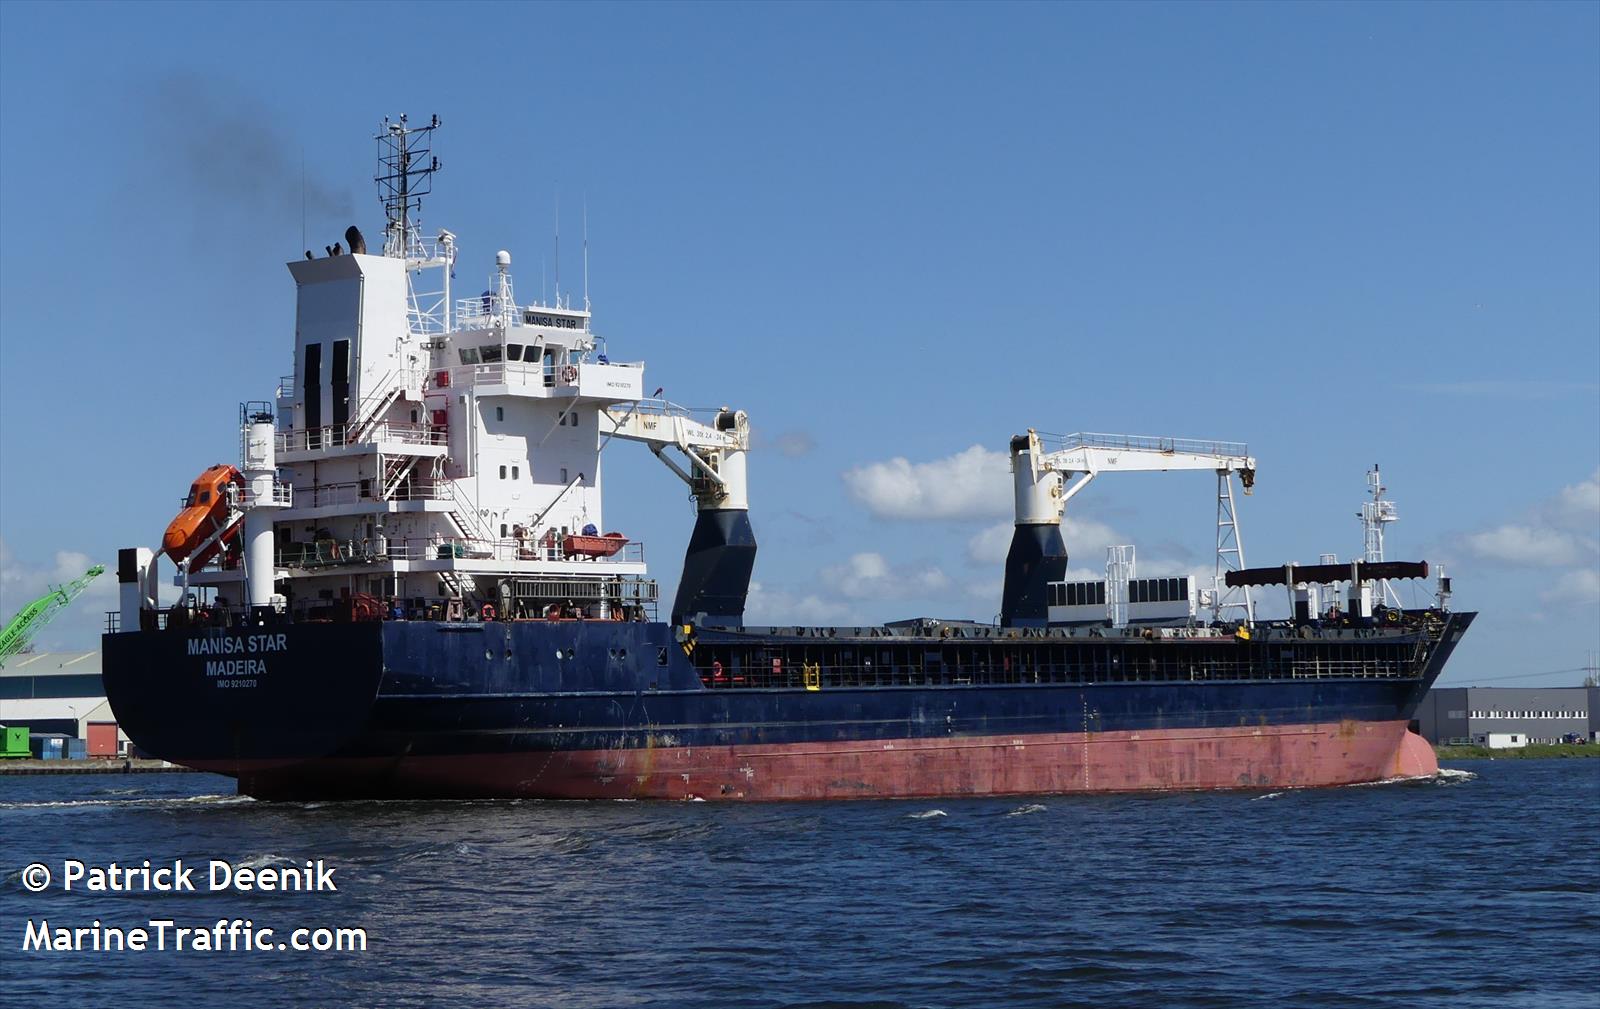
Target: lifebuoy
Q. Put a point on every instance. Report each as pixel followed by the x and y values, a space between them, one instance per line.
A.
pixel 569 374
pixel 487 612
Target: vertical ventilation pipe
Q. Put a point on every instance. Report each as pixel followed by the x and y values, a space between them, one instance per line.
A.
pixel 262 498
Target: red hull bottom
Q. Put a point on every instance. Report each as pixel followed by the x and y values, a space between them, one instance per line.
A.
pixel 1293 756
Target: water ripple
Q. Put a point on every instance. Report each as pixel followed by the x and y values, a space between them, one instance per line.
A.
pixel 1479 893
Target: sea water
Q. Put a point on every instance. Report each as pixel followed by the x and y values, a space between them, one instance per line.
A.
pixel 1479 887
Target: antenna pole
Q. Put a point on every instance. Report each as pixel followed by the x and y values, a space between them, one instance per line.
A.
pixel 405 193
pixel 585 252
pixel 558 246
pixel 406 167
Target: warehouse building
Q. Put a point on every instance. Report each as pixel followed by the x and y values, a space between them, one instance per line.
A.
pixel 1509 715
pixel 60 692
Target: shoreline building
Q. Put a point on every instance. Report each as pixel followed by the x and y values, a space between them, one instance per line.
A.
pixel 1470 715
pixel 61 693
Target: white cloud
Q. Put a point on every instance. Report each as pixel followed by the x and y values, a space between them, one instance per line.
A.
pixel 795 444
pixel 776 606
pixel 988 591
pixel 1578 506
pixel 871 576
pixel 1581 585
pixel 1509 389
pixel 1562 531
pixel 21 584
pixel 1529 545
pixel 76 627
pixel 971 484
pixel 791 444
pixel 989 545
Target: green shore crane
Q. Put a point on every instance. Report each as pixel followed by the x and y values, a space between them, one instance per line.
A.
pixel 31 619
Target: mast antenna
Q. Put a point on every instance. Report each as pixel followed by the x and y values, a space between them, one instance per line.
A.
pixel 585 252
pixel 558 245
pixel 1374 515
pixel 405 175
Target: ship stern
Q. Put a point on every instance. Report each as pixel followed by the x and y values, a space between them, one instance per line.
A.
pixel 243 700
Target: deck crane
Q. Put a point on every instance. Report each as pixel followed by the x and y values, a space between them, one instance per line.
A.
pixel 722 548
pixel 1041 464
pixel 32 618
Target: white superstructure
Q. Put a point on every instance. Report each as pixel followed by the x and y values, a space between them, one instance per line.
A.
pixel 433 451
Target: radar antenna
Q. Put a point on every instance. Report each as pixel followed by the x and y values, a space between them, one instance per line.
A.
pixel 405 174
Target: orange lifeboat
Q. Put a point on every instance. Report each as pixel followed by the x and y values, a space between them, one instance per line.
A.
pixel 593 546
pixel 204 512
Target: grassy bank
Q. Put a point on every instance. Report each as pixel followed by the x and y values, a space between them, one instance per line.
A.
pixel 1531 750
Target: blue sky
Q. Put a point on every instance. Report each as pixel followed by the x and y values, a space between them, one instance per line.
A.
pixel 1346 234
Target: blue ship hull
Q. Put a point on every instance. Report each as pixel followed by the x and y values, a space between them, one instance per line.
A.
pixel 578 709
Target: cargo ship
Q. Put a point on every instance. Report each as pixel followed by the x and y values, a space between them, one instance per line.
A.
pixel 406 588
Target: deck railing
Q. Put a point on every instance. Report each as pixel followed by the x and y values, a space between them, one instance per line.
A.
pixel 1142 443
pixel 342 552
pixel 337 435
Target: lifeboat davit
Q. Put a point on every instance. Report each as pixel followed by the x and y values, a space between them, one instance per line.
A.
pixel 205 511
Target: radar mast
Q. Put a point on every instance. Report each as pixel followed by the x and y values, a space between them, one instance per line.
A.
pixel 405 175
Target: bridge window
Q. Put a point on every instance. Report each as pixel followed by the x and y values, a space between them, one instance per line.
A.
pixel 513 352
pixel 469 355
pixel 493 354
